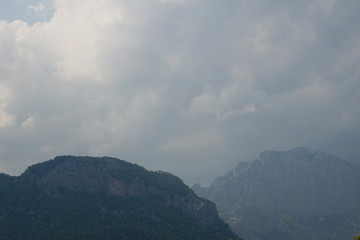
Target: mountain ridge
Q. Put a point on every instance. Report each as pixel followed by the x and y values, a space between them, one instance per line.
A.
pixel 103 198
pixel 295 186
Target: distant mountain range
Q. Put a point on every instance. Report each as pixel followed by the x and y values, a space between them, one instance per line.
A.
pixel 103 198
pixel 294 194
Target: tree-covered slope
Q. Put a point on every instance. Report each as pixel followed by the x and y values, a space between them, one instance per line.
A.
pixel 103 198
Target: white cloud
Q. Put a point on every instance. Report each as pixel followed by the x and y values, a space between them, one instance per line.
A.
pixel 172 1
pixel 143 105
pixel 36 8
pixel 204 80
pixel 29 123
pixel 324 5
pixel 5 93
pixel 225 104
pixel 6 119
pixel 232 113
pixel 75 30
pixel 201 141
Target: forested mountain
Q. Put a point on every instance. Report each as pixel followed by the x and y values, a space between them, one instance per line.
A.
pixel 103 198
pixel 293 194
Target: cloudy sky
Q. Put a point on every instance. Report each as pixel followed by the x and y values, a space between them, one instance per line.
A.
pixel 186 86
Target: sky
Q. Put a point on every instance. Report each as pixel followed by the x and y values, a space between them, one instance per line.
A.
pixel 191 87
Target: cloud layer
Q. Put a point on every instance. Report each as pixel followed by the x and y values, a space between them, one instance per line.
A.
pixel 187 86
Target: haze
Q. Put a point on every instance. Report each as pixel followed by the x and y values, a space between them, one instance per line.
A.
pixel 186 86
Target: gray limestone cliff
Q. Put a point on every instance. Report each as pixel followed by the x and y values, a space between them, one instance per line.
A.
pixel 289 193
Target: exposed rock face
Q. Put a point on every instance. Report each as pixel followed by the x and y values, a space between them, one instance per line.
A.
pixel 89 175
pixel 297 183
pixel 118 192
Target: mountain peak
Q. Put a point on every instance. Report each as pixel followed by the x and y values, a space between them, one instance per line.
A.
pixel 296 153
pixel 314 190
pixel 109 194
pixel 105 175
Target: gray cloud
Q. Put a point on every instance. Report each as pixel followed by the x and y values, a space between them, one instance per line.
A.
pixel 190 86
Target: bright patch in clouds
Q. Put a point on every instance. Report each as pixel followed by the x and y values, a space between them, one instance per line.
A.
pixel 200 141
pixel 36 9
pixel 6 120
pixel 166 82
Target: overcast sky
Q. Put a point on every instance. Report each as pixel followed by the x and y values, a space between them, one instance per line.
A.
pixel 186 86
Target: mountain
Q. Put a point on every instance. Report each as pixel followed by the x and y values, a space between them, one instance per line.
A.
pixel 103 198
pixel 292 194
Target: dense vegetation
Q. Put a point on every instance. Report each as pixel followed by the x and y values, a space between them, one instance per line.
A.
pixel 37 216
pixel 29 212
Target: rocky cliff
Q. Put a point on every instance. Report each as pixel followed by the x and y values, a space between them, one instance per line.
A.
pixel 292 194
pixel 103 198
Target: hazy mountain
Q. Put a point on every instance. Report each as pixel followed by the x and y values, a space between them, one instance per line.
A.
pixel 103 198
pixel 295 194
